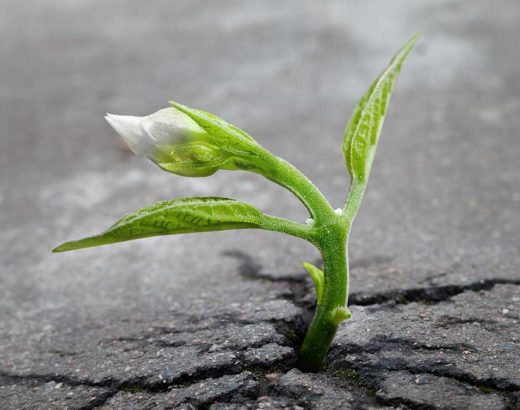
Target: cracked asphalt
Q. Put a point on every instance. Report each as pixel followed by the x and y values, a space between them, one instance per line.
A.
pixel 213 321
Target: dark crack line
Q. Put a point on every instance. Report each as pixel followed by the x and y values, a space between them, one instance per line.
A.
pixel 371 380
pixel 224 397
pixel 371 374
pixel 142 384
pixel 428 295
pixel 299 286
pixel 500 387
pixel 100 400
pixel 7 379
pixel 242 365
pixel 249 268
pixel 383 342
pixel 399 402
pixel 283 327
pixel 369 383
pixel 371 371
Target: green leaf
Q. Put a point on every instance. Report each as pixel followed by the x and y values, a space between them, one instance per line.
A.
pixel 226 135
pixel 193 159
pixel 340 314
pixel 175 217
pixel 199 159
pixel 317 277
pixel 364 126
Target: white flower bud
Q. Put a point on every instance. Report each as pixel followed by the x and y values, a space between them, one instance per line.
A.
pixel 188 142
pixel 148 136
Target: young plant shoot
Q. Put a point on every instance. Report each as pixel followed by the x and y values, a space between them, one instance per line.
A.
pixel 194 143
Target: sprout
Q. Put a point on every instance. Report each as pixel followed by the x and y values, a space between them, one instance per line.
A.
pixel 195 143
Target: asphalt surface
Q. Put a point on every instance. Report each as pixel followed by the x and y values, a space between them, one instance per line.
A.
pixel 213 320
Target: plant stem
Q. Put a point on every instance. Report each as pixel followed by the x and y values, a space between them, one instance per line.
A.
pixel 324 325
pixel 275 224
pixel 355 195
pixel 288 176
pixel 329 234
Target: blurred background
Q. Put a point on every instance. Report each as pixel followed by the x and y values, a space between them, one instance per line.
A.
pixel 443 200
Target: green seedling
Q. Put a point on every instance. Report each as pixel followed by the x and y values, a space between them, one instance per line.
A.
pixel 195 143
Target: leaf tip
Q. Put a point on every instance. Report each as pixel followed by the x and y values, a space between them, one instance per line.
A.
pixel 317 277
pixel 416 37
pixel 410 44
pixel 177 105
pixel 60 248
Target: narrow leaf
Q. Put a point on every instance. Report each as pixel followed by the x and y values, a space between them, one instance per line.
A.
pixel 175 217
pixel 364 126
pixel 317 277
pixel 230 137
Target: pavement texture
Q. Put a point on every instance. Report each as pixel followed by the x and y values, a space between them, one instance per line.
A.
pixel 213 321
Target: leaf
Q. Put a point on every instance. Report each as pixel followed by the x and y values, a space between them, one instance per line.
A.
pixel 175 217
pixel 340 314
pixel 193 159
pixel 364 126
pixel 229 137
pixel 317 277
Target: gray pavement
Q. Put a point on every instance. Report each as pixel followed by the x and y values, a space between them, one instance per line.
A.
pixel 213 320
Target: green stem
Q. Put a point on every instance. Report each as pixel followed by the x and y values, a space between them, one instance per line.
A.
pixel 329 234
pixel 332 307
pixel 275 224
pixel 288 176
pixel 355 195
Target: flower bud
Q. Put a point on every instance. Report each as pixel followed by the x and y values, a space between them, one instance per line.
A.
pixel 162 128
pixel 173 141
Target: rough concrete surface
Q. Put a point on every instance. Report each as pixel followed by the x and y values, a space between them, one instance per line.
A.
pixel 213 321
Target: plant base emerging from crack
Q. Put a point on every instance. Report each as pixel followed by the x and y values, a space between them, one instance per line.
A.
pixel 194 143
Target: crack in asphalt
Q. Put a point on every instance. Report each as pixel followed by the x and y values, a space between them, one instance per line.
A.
pixel 380 343
pixel 372 371
pixel 101 397
pixel 293 332
pixel 142 383
pixel 427 295
pixel 251 269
